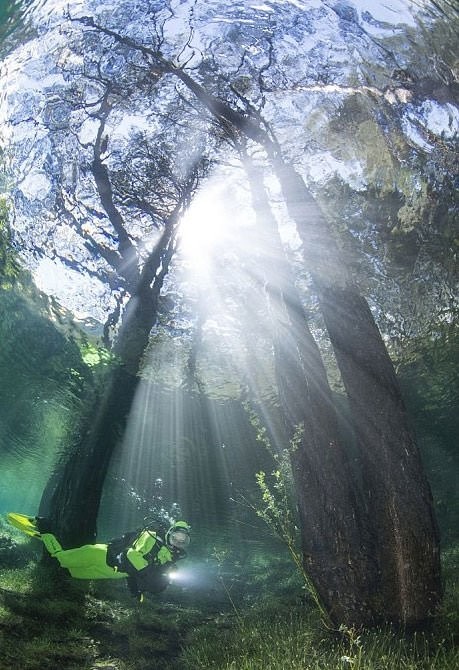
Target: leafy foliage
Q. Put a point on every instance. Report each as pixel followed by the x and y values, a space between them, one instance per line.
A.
pixel 9 268
pixel 276 506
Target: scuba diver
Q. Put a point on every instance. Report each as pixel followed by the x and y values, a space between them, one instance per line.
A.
pixel 141 556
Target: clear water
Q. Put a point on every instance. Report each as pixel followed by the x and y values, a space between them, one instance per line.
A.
pixel 176 452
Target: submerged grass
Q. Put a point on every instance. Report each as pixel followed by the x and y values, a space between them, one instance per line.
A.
pixel 50 621
pixel 78 627
pixel 273 636
pixel 290 640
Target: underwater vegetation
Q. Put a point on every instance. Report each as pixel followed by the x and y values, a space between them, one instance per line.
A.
pixel 324 145
pixel 267 623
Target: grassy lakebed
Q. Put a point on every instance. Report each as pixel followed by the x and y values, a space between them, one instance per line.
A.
pixel 257 623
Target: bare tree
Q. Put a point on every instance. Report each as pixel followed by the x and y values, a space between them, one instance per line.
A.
pixel 397 511
pixel 142 191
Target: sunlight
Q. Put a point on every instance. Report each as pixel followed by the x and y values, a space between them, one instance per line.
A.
pixel 195 449
pixel 207 224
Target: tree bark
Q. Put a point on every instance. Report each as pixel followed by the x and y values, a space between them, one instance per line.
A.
pixel 398 511
pixel 401 566
pixel 397 495
pixel 72 496
pixel 336 553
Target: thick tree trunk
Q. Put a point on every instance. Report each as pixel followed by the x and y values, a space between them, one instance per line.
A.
pixel 336 551
pixel 398 512
pixel 337 554
pixel 397 494
pixel 396 543
pixel 72 497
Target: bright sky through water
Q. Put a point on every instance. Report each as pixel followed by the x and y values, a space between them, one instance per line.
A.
pixel 202 225
pixel 30 74
pixel 214 223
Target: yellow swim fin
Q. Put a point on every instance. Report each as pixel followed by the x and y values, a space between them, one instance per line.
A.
pixel 25 523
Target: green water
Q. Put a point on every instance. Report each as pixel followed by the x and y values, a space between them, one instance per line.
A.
pixel 13 17
pixel 191 455
pixel 204 453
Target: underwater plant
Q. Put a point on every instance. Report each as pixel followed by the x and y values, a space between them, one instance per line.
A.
pixel 276 507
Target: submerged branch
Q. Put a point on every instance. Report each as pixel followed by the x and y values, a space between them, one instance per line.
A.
pixel 127 251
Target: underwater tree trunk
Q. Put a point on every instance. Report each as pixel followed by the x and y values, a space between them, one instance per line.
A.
pixel 400 567
pixel 336 554
pixel 398 499
pixel 405 548
pixel 72 496
pixel 398 510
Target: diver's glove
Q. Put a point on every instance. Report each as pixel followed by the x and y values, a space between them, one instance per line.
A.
pixel 153 578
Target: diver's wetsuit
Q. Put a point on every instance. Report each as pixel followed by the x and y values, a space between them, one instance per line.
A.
pixel 145 561
pixel 141 556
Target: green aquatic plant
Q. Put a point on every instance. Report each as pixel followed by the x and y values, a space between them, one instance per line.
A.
pixel 277 512
pixel 353 656
pixel 291 638
pixel 9 267
pixel 79 626
pixel 276 507
pixel 95 355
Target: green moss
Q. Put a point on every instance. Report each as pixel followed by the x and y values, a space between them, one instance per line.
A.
pixel 9 267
